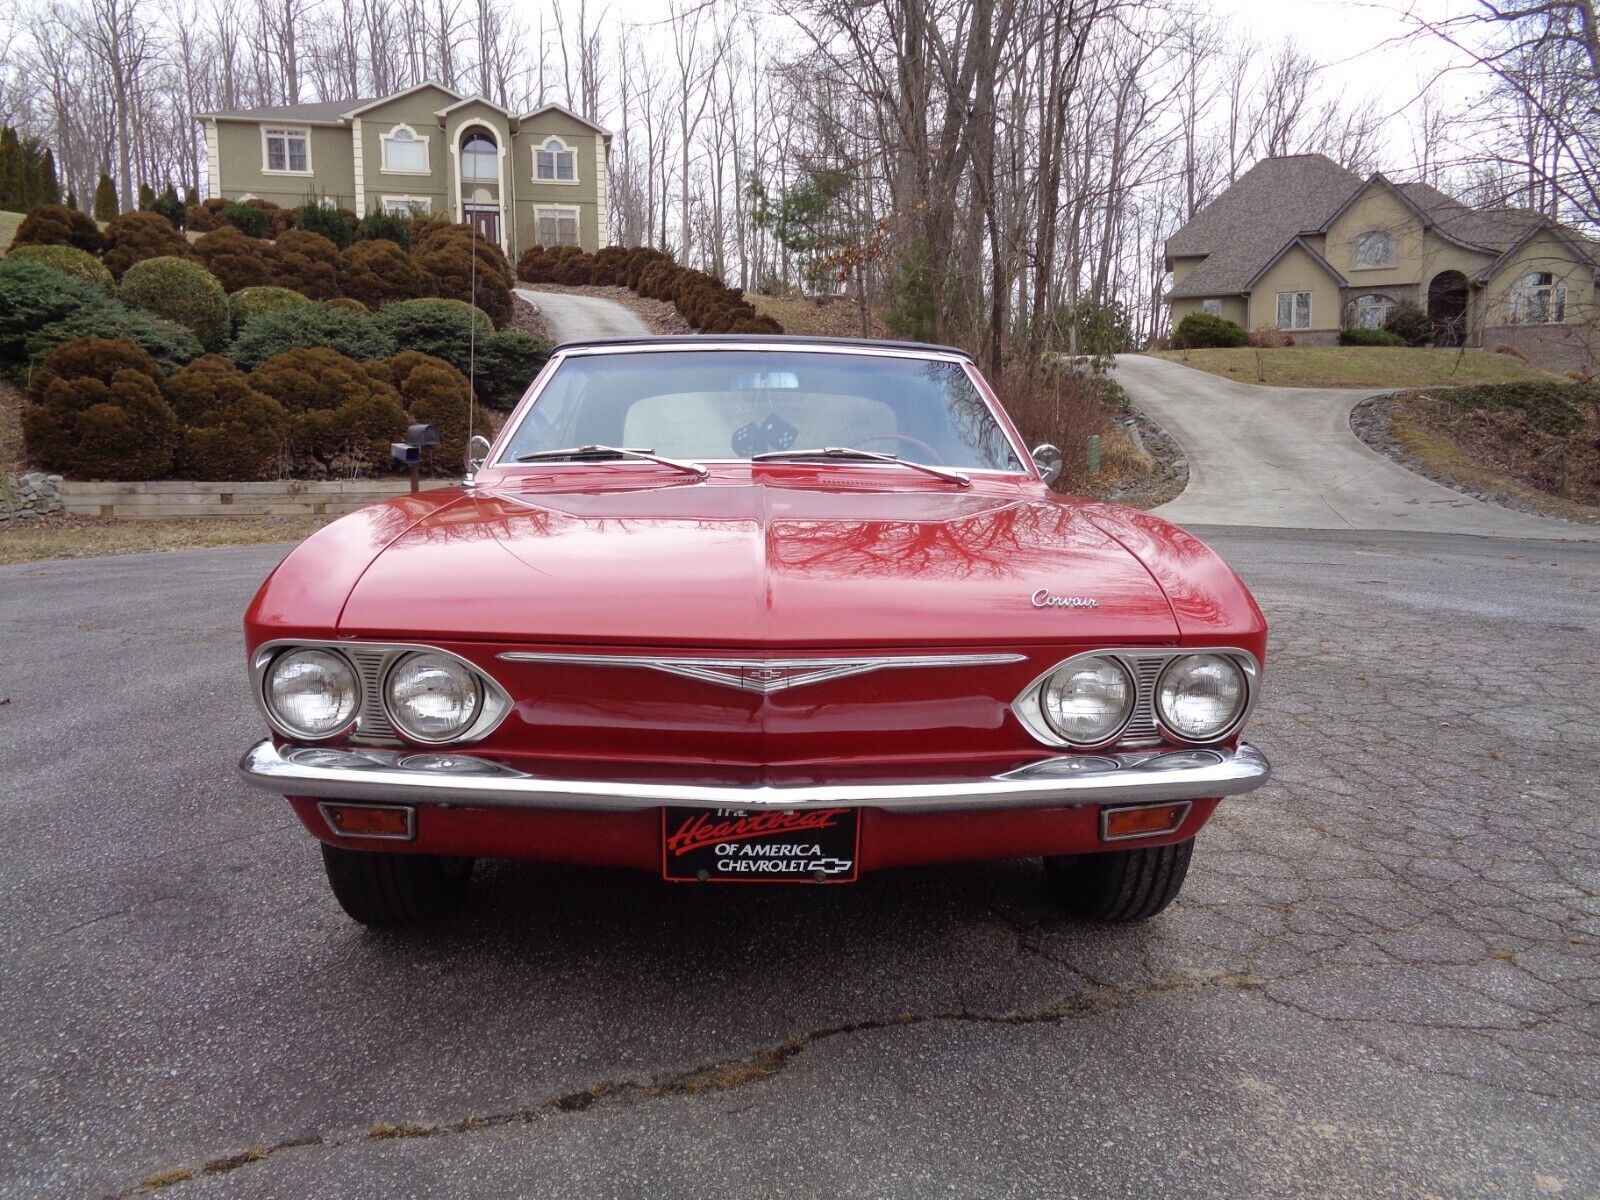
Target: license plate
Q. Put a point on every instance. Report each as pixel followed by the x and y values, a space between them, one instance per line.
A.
pixel 718 845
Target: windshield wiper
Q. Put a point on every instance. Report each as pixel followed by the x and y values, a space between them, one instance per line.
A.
pixel 580 453
pixel 864 456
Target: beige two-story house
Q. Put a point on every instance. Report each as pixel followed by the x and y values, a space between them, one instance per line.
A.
pixel 537 177
pixel 1300 244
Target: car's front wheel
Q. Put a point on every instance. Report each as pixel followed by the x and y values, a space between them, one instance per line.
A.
pixel 387 890
pixel 1119 885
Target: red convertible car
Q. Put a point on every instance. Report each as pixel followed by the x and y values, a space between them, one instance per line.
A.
pixel 754 610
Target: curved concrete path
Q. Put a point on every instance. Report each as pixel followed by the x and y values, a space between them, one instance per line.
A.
pixel 1286 458
pixel 572 317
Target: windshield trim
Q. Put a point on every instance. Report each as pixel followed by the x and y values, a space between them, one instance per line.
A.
pixel 508 433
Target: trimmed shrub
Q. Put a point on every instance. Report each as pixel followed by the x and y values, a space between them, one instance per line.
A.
pixel 98 413
pixel 1359 336
pixel 436 393
pixel 105 199
pixel 507 363
pixel 69 260
pixel 136 236
pixel 1410 324
pixel 236 260
pixel 379 272
pixel 59 225
pixel 379 225
pixel 445 254
pixel 180 291
pixel 321 219
pixel 1202 331
pixel 251 301
pixel 270 334
pixel 342 416
pixel 434 326
pixel 308 263
pixel 169 343
pixel 169 206
pixel 234 431
pixel 348 305
pixel 32 296
pixel 252 220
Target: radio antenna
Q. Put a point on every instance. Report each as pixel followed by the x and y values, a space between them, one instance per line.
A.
pixel 472 333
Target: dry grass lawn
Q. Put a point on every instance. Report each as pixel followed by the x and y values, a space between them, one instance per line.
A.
pixel 1357 366
pixel 85 537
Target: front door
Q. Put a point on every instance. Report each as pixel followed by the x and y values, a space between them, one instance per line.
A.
pixel 486 221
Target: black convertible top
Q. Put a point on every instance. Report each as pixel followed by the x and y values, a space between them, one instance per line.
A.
pixel 762 339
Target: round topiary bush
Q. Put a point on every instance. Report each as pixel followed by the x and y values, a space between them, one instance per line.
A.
pixel 348 305
pixel 379 272
pixel 435 393
pixel 446 255
pixel 33 296
pixel 342 416
pixel 170 344
pixel 135 236
pixel 233 431
pixel 69 260
pixel 1201 331
pixel 59 225
pixel 236 260
pixel 442 328
pixel 270 334
pixel 252 301
pixel 201 219
pixel 507 362
pixel 308 263
pixel 98 413
pixel 180 291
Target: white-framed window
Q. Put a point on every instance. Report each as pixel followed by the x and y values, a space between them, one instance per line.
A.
pixel 404 152
pixel 1372 311
pixel 406 207
pixel 1539 298
pixel 1211 308
pixel 1375 248
pixel 1294 310
pixel 555 162
pixel 285 150
pixel 556 226
pixel 480 160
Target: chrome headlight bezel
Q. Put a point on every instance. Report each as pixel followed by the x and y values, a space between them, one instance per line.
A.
pixel 392 708
pixel 1145 727
pixel 1245 675
pixel 1107 667
pixel 288 728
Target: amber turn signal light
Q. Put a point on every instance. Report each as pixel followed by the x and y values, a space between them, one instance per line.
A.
pixel 393 821
pixel 1140 821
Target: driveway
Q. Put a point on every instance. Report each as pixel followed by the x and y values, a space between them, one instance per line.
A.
pixel 1380 981
pixel 1285 457
pixel 572 317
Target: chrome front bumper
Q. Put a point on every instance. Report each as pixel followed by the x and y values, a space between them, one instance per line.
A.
pixel 413 777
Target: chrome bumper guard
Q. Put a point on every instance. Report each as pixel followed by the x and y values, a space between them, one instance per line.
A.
pixel 422 777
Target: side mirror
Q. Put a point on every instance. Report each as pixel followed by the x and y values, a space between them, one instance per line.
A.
pixel 477 452
pixel 1049 461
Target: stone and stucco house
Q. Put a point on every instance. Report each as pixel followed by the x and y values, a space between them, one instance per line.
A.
pixel 538 177
pixel 1300 244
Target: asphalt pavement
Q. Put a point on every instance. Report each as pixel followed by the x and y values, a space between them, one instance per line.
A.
pixel 1286 458
pixel 572 316
pixel 1380 981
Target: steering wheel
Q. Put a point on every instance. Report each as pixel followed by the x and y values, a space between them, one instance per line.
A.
pixel 902 437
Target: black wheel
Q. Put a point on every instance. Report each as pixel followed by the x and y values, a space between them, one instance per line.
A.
pixel 1119 885
pixel 390 890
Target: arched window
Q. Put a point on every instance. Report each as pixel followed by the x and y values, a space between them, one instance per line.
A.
pixel 404 153
pixel 480 161
pixel 1539 298
pixel 555 163
pixel 1374 248
pixel 1372 311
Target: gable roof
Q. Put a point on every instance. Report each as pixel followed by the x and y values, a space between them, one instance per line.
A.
pixel 1256 219
pixel 356 107
pixel 464 101
pixel 321 112
pixel 1288 246
pixel 566 112
pixel 1582 247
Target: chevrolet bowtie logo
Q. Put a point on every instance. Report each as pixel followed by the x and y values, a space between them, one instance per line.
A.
pixel 764 675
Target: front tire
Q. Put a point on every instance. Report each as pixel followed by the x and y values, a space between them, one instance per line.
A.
pixel 1119 885
pixel 392 891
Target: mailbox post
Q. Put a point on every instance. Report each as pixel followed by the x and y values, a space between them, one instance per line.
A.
pixel 418 438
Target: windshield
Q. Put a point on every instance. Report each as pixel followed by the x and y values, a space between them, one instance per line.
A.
pixel 737 404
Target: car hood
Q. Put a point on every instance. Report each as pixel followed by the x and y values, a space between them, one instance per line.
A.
pixel 748 562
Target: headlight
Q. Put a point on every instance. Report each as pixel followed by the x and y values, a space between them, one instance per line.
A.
pixel 312 693
pixel 1200 696
pixel 432 698
pixel 1088 702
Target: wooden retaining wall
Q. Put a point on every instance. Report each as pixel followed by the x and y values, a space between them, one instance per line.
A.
pixel 280 498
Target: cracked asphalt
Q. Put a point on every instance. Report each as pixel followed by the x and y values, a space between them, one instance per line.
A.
pixel 1381 980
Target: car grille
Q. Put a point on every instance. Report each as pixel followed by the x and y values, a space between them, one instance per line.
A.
pixel 371 664
pixel 1141 730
